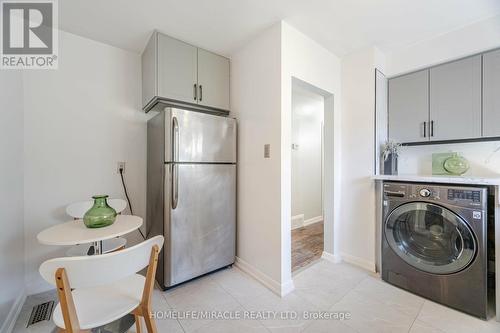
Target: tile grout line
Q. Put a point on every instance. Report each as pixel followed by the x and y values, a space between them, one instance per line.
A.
pixel 427 323
pixel 163 294
pixel 395 308
pixel 354 287
pixel 231 295
pixel 234 298
pixel 357 284
pixel 416 317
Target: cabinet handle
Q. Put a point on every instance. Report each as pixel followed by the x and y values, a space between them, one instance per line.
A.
pixel 432 127
pixel 195 92
pixel 201 92
pixel 425 129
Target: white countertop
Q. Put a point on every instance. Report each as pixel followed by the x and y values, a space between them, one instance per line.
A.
pixel 441 179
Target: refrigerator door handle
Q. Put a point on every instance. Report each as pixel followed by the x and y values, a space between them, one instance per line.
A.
pixel 175 139
pixel 175 176
pixel 175 186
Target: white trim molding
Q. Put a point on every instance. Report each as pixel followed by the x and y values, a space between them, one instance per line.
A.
pixel 10 321
pixel 360 262
pixel 331 257
pixel 299 222
pixel 280 289
pixel 313 220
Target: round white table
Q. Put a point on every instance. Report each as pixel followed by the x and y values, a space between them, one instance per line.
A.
pixel 75 232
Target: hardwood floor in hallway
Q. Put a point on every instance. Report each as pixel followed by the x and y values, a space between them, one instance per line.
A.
pixel 307 245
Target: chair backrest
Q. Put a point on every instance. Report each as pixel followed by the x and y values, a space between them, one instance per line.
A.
pixel 102 269
pixel 78 209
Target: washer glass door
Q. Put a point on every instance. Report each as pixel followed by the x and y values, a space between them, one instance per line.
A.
pixel 430 238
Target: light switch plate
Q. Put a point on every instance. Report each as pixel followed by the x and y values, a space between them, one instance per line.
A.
pixel 267 150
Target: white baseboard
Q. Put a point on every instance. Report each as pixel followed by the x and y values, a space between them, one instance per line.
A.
pixel 10 321
pixel 313 220
pixel 360 262
pixel 331 257
pixel 297 221
pixel 267 281
pixel 287 288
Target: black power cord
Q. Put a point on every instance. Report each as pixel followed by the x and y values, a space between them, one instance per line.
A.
pixel 128 200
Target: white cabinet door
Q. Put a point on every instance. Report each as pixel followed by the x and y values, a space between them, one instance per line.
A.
pixel 455 100
pixel 213 80
pixel 409 107
pixel 491 94
pixel 177 69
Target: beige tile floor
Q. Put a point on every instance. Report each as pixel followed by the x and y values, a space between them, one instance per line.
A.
pixel 374 305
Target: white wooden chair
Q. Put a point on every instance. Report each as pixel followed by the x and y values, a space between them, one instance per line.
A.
pixel 96 290
pixel 77 210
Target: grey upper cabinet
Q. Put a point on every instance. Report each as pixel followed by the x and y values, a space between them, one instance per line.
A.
pixel 409 107
pixel 455 100
pixel 149 71
pixel 180 74
pixel 213 80
pixel 177 69
pixel 491 94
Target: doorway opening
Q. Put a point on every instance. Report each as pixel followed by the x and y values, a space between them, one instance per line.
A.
pixel 307 184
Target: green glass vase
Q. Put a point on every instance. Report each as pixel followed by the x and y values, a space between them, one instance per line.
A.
pixel 456 165
pixel 100 214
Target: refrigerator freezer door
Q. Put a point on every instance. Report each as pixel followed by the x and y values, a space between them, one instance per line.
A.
pixel 200 138
pixel 200 231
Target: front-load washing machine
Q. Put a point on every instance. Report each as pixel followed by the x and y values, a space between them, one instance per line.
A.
pixel 434 243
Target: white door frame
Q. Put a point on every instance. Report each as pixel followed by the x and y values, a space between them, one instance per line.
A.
pixel 330 177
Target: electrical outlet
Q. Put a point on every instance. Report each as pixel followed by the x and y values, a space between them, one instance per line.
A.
pixel 120 165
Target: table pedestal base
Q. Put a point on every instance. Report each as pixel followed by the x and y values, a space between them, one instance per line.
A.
pixel 121 325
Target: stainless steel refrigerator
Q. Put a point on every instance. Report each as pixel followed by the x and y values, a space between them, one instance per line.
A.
pixel 191 192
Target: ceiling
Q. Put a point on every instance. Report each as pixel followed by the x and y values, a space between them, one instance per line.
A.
pixel 222 26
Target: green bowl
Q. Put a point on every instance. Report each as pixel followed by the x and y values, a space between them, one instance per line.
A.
pixel 456 165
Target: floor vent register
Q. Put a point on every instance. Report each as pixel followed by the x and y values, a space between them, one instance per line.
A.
pixel 41 312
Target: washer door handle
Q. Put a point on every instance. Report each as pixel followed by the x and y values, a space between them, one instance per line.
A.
pixel 394 194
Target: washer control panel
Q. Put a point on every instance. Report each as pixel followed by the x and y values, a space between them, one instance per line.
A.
pixel 425 193
pixel 460 196
pixel 474 196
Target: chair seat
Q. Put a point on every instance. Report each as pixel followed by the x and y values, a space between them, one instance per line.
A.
pixel 101 305
pixel 108 245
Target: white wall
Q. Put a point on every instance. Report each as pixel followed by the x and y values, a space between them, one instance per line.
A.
pixel 255 102
pixel 12 289
pixel 358 190
pixel 79 121
pixel 474 38
pixel 307 61
pixel 261 99
pixel 307 128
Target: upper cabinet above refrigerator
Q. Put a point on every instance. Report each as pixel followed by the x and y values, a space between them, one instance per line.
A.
pixel 179 74
pixel 213 80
